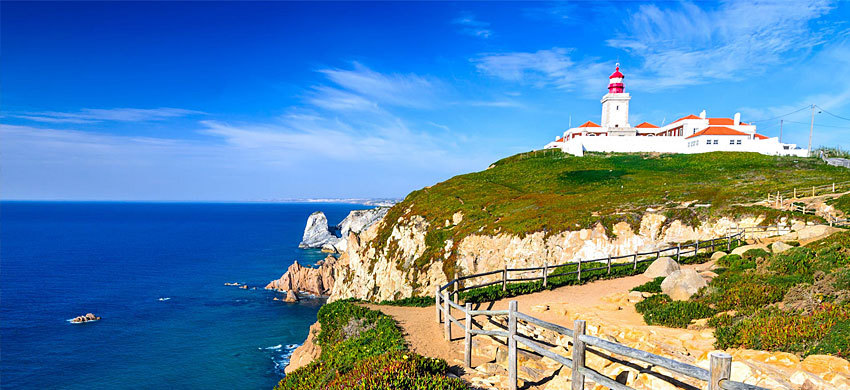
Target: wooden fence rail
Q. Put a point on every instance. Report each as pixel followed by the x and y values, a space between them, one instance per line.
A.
pixel 717 376
pixel 778 196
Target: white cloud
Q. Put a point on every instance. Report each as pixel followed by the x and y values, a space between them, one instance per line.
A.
pixel 684 44
pixel 552 67
pixel 472 26
pixel 90 115
pixel 385 89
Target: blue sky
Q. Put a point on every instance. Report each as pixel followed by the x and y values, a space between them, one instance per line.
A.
pixel 257 101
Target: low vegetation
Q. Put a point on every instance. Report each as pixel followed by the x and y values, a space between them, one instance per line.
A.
pixel 652 286
pixel 365 349
pixel 796 301
pixel 842 203
pixel 551 192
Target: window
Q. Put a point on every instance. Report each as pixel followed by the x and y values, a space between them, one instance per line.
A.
pixel 731 142
pixel 618 108
pixel 708 142
pixel 738 142
pixel 716 141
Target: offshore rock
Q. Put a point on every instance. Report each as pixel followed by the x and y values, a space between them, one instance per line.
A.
pixel 316 281
pixel 291 297
pixel 317 233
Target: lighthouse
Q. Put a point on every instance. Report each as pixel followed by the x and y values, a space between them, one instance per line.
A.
pixel 615 106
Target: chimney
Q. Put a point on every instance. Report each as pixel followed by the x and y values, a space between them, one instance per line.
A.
pixel 737 118
pixel 702 115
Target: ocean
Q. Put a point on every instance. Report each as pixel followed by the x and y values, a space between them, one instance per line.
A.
pixel 155 272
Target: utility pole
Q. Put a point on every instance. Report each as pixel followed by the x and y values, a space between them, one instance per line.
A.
pixel 811 130
pixel 780 130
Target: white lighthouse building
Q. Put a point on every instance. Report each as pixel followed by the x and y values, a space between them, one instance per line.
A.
pixel 689 134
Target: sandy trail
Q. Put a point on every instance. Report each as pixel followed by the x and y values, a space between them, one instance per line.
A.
pixel 425 336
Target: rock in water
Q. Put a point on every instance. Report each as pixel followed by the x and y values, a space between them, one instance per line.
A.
pixel 89 317
pixel 316 281
pixel 291 296
pixel 682 284
pixel 663 266
pixel 317 233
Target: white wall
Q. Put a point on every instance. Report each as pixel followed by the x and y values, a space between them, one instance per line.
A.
pixel 769 146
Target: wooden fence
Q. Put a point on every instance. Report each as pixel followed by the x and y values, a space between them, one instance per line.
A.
pixel 803 192
pixel 717 376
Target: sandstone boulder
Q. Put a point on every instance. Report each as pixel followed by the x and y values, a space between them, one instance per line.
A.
pixel 682 284
pixel 291 296
pixel 718 255
pixel 313 280
pixel 663 266
pixel 779 247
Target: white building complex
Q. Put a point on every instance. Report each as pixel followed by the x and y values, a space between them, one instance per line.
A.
pixel 690 134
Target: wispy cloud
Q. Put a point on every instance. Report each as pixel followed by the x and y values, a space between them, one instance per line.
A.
pixel 550 67
pixel 683 44
pixel 90 115
pixel 406 90
pixel 472 26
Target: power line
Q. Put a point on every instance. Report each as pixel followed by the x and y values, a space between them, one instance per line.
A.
pixel 819 125
pixel 837 116
pixel 781 116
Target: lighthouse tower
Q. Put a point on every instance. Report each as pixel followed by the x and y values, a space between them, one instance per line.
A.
pixel 615 106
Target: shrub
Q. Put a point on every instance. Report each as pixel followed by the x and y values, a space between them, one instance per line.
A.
pixel 836 342
pixel 414 301
pixel 736 262
pixel 652 286
pixel 365 349
pixel 661 310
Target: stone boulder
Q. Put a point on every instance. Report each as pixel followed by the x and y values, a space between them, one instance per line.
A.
pixel 682 284
pixel 779 247
pixel 717 255
pixel 317 233
pixel 663 266
pixel 291 296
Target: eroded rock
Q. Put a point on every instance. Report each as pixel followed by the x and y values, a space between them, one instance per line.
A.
pixel 682 284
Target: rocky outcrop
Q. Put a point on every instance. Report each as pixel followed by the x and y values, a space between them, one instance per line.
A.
pixel 682 284
pixel 317 233
pixel 317 280
pixel 306 352
pixel 334 239
pixel 388 270
pixel 89 317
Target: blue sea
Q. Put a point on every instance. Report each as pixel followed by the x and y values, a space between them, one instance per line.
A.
pixel 155 272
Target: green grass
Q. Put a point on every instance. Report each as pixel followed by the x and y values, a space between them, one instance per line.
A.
pixel 365 349
pixel 553 192
pixel 842 203
pixel 652 286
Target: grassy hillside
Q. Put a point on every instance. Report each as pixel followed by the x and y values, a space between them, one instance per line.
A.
pixel 795 301
pixel 554 192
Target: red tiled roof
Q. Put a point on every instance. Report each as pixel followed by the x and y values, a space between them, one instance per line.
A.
pixel 759 136
pixel 692 116
pixel 717 130
pixel 560 139
pixel 647 125
pixel 720 121
pixel 589 124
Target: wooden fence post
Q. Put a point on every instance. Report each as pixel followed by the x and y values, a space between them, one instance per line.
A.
pixel 447 313
pixel 696 248
pixel 833 187
pixel 505 278
pixel 512 363
pixel 813 190
pixel 545 273
pixel 720 368
pixel 467 337
pixel 437 304
pixel 728 244
pixel 795 193
pixel 578 355
pixel 609 264
pixel 457 293
pixel 678 251
pixel 635 261
pixel 579 269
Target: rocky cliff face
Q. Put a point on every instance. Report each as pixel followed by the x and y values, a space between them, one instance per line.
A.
pixel 390 273
pixel 315 281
